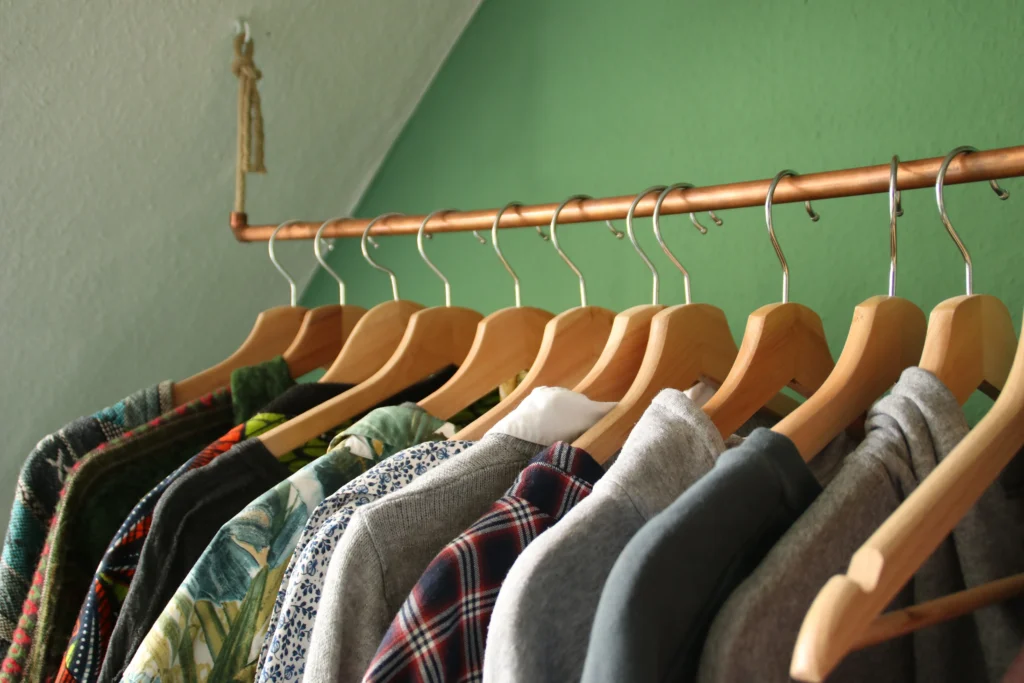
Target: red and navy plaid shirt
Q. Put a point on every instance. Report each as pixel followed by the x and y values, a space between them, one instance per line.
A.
pixel 439 633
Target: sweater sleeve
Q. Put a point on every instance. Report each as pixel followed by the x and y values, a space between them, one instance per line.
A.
pixel 353 610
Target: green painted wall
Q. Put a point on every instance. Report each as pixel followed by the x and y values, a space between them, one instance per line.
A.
pixel 540 100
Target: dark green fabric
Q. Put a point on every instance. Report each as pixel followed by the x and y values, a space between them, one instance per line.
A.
pixel 254 386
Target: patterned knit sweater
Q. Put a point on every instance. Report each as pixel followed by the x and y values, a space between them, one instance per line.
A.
pixel 39 485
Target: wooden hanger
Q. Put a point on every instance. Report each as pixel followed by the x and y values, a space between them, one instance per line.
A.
pixel 783 345
pixel 886 337
pixel 325 328
pixel 684 343
pixel 971 341
pixel 572 343
pixel 620 360
pixel 506 343
pixel 377 333
pixel 434 339
pixel 270 336
pixel 845 614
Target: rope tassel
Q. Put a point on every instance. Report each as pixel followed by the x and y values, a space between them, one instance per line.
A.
pixel 250 118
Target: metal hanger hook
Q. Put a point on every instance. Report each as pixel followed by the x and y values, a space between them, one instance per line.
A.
pixel 292 289
pixel 423 254
pixel 554 241
pixel 501 256
pixel 636 244
pixel 242 27
pixel 939 182
pixel 895 211
pixel 656 220
pixel 366 252
pixel 318 252
pixel 771 229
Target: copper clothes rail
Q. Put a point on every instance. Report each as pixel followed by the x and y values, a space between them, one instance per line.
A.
pixel 991 164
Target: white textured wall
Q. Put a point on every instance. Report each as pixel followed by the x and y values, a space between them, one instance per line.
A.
pixel 117 267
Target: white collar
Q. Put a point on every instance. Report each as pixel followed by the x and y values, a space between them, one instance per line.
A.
pixel 551 414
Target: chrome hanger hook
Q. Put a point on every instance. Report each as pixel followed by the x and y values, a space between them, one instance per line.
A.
pixel 317 251
pixel 242 28
pixel 366 253
pixel 554 241
pixel 656 219
pixel 423 254
pixel 939 182
pixel 771 229
pixel 501 256
pixel 895 211
pixel 292 289
pixel 636 244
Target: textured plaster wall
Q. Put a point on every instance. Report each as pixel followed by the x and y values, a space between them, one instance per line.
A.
pixel 540 100
pixel 117 268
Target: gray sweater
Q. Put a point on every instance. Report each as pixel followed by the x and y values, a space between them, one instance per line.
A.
pixel 908 433
pixel 390 542
pixel 541 621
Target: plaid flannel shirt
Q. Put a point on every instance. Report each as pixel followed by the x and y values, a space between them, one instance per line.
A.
pixel 439 633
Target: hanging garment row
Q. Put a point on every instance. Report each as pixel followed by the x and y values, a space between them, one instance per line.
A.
pixel 587 496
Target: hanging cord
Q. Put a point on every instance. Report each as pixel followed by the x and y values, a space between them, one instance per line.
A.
pixel 250 118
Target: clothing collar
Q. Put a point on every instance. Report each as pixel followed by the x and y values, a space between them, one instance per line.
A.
pixel 392 428
pixel 551 414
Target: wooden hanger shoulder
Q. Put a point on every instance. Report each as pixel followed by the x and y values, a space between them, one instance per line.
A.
pixel 886 336
pixel 434 339
pixel 783 345
pixel 371 342
pixel 272 333
pixel 572 343
pixel 506 343
pixel 685 343
pixel 320 338
pixel 848 604
pixel 620 360
pixel 970 345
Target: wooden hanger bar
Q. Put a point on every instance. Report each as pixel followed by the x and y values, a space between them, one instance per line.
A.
pixel 901 622
pixel 992 164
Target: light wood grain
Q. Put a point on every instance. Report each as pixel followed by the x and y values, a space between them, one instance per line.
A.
pixel 620 360
pixel 320 338
pixel 846 606
pixel 271 334
pixel 970 345
pixel 434 339
pixel 685 344
pixel 783 345
pixel 886 336
pixel 506 343
pixel 901 622
pixel 573 341
pixel 372 342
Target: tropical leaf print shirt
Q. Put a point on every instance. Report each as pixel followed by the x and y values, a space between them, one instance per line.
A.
pixel 213 627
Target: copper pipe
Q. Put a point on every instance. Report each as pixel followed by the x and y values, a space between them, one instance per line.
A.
pixel 1007 162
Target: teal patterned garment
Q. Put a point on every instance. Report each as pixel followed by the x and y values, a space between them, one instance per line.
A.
pixel 39 484
pixel 213 627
